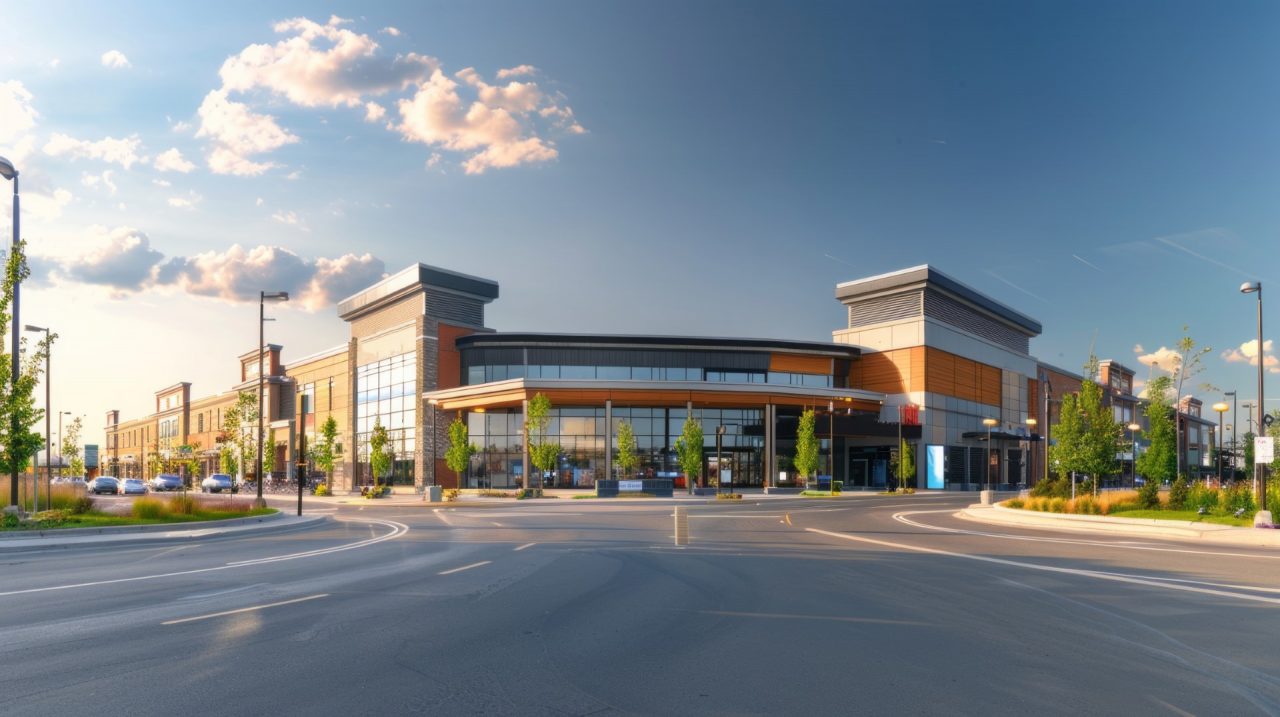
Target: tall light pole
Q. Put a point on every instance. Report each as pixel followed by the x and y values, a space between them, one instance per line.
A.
pixel 1233 425
pixel 8 171
pixel 1221 407
pixel 263 298
pixel 1260 474
pixel 433 402
pixel 1133 449
pixel 1031 423
pixel 989 423
pixel 48 421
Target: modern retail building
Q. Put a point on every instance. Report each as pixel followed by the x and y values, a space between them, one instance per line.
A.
pixel 919 355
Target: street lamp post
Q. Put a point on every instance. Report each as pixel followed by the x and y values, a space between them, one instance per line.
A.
pixel 432 402
pixel 48 422
pixel 1133 450
pixel 263 298
pixel 8 171
pixel 1260 475
pixel 1233 425
pixel 989 423
pixel 1031 423
pixel 1221 407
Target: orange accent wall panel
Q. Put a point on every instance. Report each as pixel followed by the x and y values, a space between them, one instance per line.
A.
pixel 951 375
pixel 799 364
pixel 449 365
pixel 897 371
pixel 1033 403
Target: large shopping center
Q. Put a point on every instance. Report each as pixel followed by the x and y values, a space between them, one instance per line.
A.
pixel 920 355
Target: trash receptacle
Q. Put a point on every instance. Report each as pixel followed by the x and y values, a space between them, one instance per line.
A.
pixel 434 494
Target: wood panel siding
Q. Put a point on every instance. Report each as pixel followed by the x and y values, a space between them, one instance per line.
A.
pixel 799 364
pixel 897 371
pixel 951 375
pixel 449 360
pixel 1033 403
pixel 511 398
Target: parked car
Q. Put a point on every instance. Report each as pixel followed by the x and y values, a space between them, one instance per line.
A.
pixel 166 481
pixel 104 484
pixel 218 483
pixel 133 486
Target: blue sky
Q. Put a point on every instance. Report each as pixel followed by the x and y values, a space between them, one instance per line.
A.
pixel 705 168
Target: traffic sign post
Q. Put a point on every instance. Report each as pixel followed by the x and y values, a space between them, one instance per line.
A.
pixel 1263 449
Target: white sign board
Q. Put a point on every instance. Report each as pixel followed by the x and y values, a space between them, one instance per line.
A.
pixel 631 486
pixel 1264 448
pixel 726 476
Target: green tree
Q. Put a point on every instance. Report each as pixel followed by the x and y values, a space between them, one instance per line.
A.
pixel 458 455
pixel 689 450
pixel 324 452
pixel 71 448
pixel 240 427
pixel 1097 453
pixel 1186 364
pixel 1159 463
pixel 227 459
pixel 626 460
pixel 543 452
pixel 904 465
pixel 1069 435
pixel 379 459
pixel 18 412
pixel 191 461
pixel 1248 453
pixel 807 448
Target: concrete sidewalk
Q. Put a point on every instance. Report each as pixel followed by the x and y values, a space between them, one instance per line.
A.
pixel 1139 527
pixel 401 497
pixel 134 535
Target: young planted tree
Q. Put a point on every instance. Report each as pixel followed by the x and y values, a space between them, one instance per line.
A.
pixel 71 455
pixel 240 425
pixel 1159 462
pixel 1065 455
pixel 1097 451
pixel 543 452
pixel 458 455
pixel 324 452
pixel 689 450
pixel 379 459
pixel 191 461
pixel 18 412
pixel 904 466
pixel 1187 364
pixel 626 460
pixel 807 448
pixel 227 460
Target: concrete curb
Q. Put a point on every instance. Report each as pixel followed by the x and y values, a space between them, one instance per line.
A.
pixel 1144 527
pixel 116 536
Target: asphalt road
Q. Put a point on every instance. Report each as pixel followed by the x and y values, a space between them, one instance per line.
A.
pixel 876 605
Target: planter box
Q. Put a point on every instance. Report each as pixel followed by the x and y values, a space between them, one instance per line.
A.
pixel 659 487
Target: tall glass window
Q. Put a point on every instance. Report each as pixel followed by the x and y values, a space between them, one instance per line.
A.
pixel 386 393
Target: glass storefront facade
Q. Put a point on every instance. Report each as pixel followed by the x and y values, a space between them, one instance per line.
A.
pixel 582 435
pixel 386 393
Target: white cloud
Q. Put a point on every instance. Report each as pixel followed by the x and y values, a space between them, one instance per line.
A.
pixel 1164 359
pixel 171 160
pixel 239 132
pixel 17 114
pixel 188 202
pixel 259 202
pixel 436 115
pixel 434 160
pixel 1248 352
pixel 53 64
pixel 392 31
pixel 322 65
pixel 517 71
pixel 123 152
pixel 290 218
pixel 161 183
pixel 294 175
pixel 123 259
pixel 374 112
pixel 103 180
pixel 41 206
pixel 115 60
pixel 181 126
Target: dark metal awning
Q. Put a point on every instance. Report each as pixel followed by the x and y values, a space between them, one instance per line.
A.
pixel 1001 436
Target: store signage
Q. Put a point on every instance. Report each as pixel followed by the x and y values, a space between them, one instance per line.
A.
pixel 631 486
pixel 909 415
pixel 726 476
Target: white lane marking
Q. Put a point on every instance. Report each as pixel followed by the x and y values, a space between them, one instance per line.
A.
pixel 1098 574
pixel 244 609
pixel 522 514
pixel 1121 544
pixel 465 567
pixel 738 515
pixel 443 518
pixel 522 547
pixel 398 529
pixel 496 523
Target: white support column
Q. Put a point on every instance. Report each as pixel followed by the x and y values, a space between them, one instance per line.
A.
pixel 767 468
pixel 524 421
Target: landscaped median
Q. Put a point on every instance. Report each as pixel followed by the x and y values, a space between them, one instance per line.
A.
pixel 73 510
pixel 1116 512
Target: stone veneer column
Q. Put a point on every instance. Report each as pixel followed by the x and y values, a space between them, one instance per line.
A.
pixel 349 475
pixel 427 356
pixel 608 439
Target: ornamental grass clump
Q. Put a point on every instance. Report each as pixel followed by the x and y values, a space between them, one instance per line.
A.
pixel 149 509
pixel 182 505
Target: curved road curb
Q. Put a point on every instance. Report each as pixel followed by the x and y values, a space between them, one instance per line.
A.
pixel 1145 527
pixel 115 536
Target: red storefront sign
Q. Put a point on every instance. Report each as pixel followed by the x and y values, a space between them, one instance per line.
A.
pixel 909 415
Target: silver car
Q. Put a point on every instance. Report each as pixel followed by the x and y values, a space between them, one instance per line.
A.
pixel 218 483
pixel 133 486
pixel 104 484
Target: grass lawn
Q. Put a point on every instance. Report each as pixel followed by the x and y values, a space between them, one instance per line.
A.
pixel 1186 515
pixel 102 520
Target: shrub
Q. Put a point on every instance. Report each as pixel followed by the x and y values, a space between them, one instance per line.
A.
pixel 1149 495
pixel 1014 503
pixel 732 496
pixel 451 495
pixel 1052 488
pixel 1085 505
pixel 82 505
pixel 1057 505
pixel 1178 493
pixel 1237 497
pixel 322 489
pixel 1088 486
pixel 182 504
pixel 1200 496
pixel 11 520
pixel 51 518
pixel 149 508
